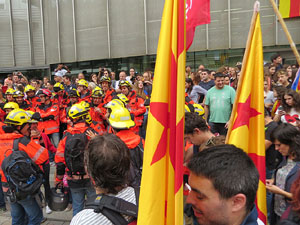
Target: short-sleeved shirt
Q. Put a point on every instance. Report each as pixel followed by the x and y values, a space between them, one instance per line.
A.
pixel 207 85
pixel 220 103
pixel 196 92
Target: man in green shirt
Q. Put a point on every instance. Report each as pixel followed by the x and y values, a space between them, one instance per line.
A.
pixel 218 105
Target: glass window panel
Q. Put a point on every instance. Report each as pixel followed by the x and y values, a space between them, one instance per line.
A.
pixel 241 14
pixel 51 31
pixel 293 25
pixel 127 28
pixel 37 33
pixel 91 29
pixel 154 14
pixel 66 31
pixel 267 20
pixel 218 28
pixel 6 56
pixel 20 33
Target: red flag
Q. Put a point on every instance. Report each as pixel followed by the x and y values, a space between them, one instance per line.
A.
pixel 197 13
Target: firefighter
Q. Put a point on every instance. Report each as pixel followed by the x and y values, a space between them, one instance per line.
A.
pixel 18 123
pixel 69 157
pixel 82 88
pixel 108 91
pixel 97 110
pixel 29 90
pixel 23 103
pixel 50 118
pixel 135 104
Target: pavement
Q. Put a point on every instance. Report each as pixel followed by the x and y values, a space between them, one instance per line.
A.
pixel 55 218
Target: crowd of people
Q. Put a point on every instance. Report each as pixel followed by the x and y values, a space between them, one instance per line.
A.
pixel 91 130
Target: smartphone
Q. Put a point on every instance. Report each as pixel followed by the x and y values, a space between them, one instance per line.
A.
pixel 280 108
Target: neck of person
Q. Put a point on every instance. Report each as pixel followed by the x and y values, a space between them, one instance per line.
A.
pixel 238 217
pixel 100 191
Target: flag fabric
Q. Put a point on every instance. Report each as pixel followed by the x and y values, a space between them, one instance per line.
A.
pixel 197 13
pixel 289 8
pixel 246 130
pixel 296 83
pixel 161 195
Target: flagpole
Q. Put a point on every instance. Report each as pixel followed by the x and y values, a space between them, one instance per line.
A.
pixel 239 87
pixel 287 33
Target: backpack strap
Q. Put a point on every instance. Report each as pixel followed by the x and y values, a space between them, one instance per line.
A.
pixel 16 145
pixel 112 207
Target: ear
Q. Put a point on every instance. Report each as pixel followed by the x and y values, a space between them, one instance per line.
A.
pixel 238 202
pixel 197 131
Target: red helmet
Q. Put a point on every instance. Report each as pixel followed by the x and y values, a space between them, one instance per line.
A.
pixel 45 92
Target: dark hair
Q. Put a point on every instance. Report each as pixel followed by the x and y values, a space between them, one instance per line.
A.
pixel 230 170
pixel 52 82
pixel 280 91
pixel 192 121
pixel 205 70
pixel 219 75
pixel 267 113
pixel 296 100
pixel 68 76
pixel 274 56
pixel 107 159
pixel 289 135
pixel 189 81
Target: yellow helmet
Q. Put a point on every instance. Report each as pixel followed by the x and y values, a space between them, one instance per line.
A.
pixel 77 110
pixel 199 109
pixel 115 103
pixel 10 91
pixel 11 105
pixel 86 105
pixel 29 88
pixel 97 88
pixel 97 93
pixel 18 94
pixel 74 93
pixel 105 79
pixel 123 98
pixel 17 117
pixel 83 82
pixel 120 118
pixel 186 108
pixel 124 83
pixel 30 114
pixel 58 87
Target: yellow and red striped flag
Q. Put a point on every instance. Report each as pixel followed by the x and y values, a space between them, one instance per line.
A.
pixel 161 195
pixel 289 8
pixel 246 130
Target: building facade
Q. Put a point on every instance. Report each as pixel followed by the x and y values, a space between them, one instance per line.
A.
pixel 85 34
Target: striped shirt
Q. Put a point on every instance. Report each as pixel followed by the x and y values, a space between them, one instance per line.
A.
pixel 88 216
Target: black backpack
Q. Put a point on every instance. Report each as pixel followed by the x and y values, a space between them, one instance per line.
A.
pixel 23 176
pixel 113 208
pixel 136 158
pixel 74 153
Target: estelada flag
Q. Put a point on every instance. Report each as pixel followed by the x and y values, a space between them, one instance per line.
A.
pixel 296 83
pixel 197 13
pixel 246 129
pixel 161 194
pixel 289 8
